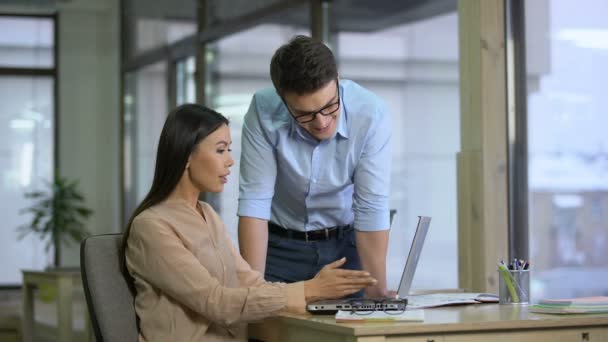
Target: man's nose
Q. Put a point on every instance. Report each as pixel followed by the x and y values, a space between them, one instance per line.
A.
pixel 320 120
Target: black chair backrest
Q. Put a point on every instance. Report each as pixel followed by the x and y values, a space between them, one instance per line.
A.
pixel 110 299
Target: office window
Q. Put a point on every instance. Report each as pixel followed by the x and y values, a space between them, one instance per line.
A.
pixel 154 32
pixel 150 112
pixel 146 107
pixel 27 42
pixel 128 146
pixel 153 24
pixel 567 61
pixel 414 68
pixel 27 124
pixel 185 87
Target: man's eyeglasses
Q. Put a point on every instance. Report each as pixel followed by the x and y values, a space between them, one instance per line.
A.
pixel 327 110
pixel 365 306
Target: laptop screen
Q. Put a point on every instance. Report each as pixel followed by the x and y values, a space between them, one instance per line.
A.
pixel 412 258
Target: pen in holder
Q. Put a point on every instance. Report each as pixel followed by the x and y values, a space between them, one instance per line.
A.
pixel 513 286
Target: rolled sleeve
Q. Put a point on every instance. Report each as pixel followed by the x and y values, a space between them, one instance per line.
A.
pixel 372 177
pixel 258 208
pixel 258 167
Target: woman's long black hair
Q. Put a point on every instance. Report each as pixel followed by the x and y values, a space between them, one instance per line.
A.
pixel 184 128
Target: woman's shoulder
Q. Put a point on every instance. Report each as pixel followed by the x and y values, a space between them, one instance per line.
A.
pixel 148 214
pixel 157 216
pixel 165 210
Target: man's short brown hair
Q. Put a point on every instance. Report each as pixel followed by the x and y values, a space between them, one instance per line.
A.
pixel 302 66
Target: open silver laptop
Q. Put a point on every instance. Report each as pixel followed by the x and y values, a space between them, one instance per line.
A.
pixel 333 305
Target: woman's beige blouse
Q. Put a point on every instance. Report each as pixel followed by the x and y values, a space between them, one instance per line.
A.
pixel 192 284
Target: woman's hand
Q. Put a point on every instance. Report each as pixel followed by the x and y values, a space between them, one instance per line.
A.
pixel 334 282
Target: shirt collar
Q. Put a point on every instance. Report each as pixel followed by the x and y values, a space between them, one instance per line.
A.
pixel 343 118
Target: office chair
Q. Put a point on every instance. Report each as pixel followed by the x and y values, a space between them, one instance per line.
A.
pixel 108 295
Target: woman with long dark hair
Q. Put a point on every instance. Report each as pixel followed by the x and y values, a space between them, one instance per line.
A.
pixel 191 283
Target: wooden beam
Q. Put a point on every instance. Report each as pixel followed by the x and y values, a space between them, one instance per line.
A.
pixel 482 162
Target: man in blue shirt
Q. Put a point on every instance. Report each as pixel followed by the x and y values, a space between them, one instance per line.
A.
pixel 315 171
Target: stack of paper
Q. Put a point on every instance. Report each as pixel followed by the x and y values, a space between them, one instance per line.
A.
pixel 572 306
pixel 379 316
pixel 447 299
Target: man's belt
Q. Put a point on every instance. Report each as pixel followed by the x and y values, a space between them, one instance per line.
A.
pixel 314 235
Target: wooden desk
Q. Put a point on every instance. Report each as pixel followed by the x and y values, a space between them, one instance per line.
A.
pixel 65 282
pixel 480 322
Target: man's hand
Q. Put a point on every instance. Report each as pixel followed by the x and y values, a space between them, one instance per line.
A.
pixel 372 247
pixel 253 241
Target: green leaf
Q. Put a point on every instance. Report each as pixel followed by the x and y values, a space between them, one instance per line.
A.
pixel 57 214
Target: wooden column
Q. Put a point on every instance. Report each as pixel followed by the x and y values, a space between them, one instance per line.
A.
pixel 482 162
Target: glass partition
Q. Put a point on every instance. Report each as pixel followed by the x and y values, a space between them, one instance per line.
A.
pixel 414 68
pixel 151 24
pixel 128 146
pixel 145 109
pixel 242 66
pixel 185 87
pixel 150 112
pixel 567 59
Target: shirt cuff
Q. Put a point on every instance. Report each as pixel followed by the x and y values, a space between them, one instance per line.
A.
pixel 255 208
pixel 296 301
pixel 370 222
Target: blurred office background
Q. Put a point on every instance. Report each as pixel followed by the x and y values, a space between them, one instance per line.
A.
pixel 85 87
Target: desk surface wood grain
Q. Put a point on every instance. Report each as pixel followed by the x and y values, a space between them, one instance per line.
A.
pixel 464 318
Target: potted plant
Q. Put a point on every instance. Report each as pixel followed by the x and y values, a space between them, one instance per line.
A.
pixel 58 215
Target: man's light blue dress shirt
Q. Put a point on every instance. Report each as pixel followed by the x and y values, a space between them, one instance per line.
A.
pixel 297 182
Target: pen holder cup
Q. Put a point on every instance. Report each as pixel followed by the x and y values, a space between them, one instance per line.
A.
pixel 514 286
